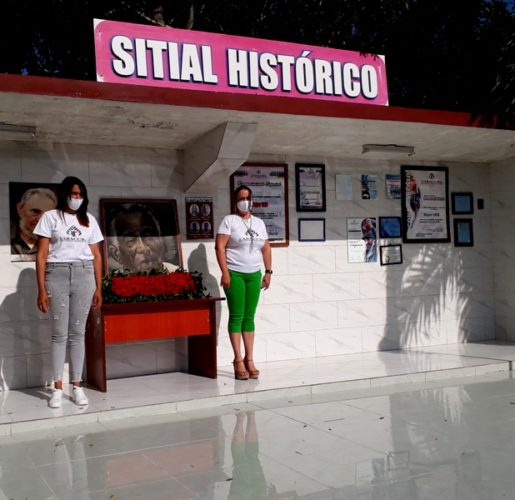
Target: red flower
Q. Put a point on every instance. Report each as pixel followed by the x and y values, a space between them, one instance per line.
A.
pixel 158 284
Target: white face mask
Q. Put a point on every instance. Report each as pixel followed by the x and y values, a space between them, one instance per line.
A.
pixel 74 203
pixel 244 205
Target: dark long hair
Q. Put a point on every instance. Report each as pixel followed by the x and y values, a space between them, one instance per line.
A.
pixel 64 191
pixel 235 193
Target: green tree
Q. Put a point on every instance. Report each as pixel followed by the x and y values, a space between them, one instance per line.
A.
pixel 454 55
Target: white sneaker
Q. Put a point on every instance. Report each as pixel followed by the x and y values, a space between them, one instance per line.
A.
pixel 56 399
pixel 79 396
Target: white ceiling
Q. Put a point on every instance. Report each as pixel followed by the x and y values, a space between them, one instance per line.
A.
pixel 79 120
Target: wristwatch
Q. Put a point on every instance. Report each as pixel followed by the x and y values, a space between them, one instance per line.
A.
pixel 269 271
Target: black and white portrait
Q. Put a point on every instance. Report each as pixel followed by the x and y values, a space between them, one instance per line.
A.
pixel 141 235
pixel 27 203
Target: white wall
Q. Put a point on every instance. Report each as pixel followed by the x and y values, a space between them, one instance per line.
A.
pixel 318 303
pixel 503 228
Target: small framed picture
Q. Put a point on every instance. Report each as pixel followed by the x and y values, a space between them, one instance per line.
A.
pixel 463 235
pixel 462 203
pixel 389 227
pixel 390 254
pixel 310 187
pixel 311 229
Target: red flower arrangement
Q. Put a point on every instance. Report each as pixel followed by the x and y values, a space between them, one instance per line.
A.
pixel 122 287
pixel 160 284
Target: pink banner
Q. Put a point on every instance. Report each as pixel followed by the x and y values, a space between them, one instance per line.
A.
pixel 166 57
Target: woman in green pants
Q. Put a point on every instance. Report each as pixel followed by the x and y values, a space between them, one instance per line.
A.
pixel 242 247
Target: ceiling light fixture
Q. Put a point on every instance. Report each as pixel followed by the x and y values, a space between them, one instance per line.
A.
pixel 9 131
pixel 388 148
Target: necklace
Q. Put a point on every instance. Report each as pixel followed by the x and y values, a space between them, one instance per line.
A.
pixel 249 232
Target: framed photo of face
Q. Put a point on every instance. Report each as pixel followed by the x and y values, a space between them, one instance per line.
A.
pixel 140 234
pixel 28 201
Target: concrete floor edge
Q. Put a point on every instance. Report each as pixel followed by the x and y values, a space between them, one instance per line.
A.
pixel 427 377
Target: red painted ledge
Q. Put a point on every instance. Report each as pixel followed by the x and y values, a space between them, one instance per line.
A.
pixel 83 89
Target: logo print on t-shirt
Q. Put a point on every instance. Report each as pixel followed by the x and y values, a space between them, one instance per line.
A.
pixel 253 234
pixel 74 231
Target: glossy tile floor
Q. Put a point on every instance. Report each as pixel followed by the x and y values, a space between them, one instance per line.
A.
pixel 438 440
pixel 22 411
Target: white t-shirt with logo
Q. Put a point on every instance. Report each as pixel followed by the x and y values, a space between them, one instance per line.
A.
pixel 69 240
pixel 247 237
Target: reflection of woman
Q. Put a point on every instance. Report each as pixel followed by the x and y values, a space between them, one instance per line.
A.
pixel 69 273
pixel 69 469
pixel 241 248
pixel 248 478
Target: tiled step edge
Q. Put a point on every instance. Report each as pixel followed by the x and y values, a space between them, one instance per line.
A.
pixel 252 397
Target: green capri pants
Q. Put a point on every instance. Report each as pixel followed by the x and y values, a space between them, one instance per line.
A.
pixel 242 300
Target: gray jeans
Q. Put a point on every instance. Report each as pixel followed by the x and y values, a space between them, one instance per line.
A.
pixel 70 287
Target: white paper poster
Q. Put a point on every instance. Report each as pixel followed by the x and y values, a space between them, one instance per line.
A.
pixel 344 187
pixel 361 239
pixel 425 206
pixel 368 187
pixel 393 186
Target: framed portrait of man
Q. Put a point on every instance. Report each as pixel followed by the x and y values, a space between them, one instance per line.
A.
pixel 140 234
pixel 27 203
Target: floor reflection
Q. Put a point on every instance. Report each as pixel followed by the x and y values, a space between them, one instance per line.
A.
pixel 248 479
pixel 449 442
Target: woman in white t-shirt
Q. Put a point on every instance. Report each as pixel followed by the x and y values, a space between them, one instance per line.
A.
pixel 242 248
pixel 69 273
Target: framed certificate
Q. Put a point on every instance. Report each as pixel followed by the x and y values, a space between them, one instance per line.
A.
pixel 269 184
pixel 310 187
pixel 311 229
pixel 390 254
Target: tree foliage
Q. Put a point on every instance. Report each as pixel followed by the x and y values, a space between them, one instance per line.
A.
pixel 441 54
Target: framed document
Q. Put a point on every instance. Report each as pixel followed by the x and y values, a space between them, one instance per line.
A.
pixel 462 203
pixel 390 254
pixel 311 229
pixel 425 204
pixel 310 187
pixel 269 184
pixel 463 235
pixel 199 218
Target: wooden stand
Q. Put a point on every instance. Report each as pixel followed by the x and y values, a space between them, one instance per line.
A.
pixel 120 323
